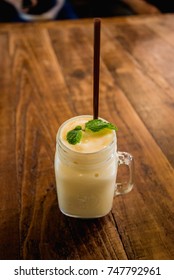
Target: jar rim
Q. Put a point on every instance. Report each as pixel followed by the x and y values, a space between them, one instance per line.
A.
pixel 60 142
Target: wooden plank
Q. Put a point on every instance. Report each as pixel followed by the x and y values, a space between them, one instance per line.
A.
pixel 137 64
pixel 10 191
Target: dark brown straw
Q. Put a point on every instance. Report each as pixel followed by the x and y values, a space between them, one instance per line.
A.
pixel 96 70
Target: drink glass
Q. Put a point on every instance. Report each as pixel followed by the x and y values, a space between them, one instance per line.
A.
pixel 86 173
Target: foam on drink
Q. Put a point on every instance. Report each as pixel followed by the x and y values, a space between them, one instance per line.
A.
pixel 91 141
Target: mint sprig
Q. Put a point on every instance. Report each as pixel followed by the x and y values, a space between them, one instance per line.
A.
pixel 97 125
pixel 74 136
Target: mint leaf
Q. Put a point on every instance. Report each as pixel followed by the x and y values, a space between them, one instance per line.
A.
pixel 97 125
pixel 74 136
pixel 78 127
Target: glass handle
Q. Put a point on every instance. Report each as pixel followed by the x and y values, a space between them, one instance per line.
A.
pixel 125 186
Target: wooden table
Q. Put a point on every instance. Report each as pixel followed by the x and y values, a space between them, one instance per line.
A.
pixel 46 78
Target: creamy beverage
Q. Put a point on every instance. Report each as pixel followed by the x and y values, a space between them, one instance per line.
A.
pixel 85 172
pixel 86 162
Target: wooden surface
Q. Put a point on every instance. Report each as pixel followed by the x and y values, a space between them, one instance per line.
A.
pixel 46 78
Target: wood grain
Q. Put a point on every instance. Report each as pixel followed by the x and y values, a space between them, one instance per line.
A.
pixel 46 78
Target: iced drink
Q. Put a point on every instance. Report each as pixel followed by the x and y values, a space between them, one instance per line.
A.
pixel 85 172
